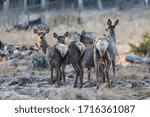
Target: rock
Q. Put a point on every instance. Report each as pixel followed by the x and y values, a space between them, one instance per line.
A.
pixel 20 82
pixel 42 84
pixel 70 76
pixel 23 81
pixel 2 81
pixel 146 79
pixel 122 83
pixel 44 79
pixel 39 62
pixel 32 48
pixel 13 83
pixel 139 84
pixel 16 55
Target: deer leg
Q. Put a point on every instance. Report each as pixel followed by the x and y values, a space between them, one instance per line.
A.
pixel 81 75
pixel 63 71
pixel 58 75
pixel 51 76
pixel 89 75
pixel 107 76
pixel 107 73
pixel 97 64
pixel 81 78
pixel 77 70
pixel 97 76
pixel 102 72
pixel 114 66
pixel 64 63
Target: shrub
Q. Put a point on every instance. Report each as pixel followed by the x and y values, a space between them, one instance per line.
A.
pixel 143 48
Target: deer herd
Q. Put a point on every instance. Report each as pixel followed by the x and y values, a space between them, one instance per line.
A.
pixel 82 53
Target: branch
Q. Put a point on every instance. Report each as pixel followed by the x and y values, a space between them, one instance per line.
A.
pixel 139 60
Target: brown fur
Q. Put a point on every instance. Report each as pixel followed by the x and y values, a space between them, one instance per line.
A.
pixel 41 41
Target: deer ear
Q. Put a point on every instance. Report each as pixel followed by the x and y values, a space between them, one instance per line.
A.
pixel 35 31
pixel 66 34
pixel 116 22
pixel 47 30
pixel 55 35
pixel 109 22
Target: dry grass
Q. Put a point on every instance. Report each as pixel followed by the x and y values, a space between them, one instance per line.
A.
pixel 132 25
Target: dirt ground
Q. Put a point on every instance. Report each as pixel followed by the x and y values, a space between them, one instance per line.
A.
pixel 130 82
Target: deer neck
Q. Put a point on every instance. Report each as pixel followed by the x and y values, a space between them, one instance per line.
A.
pixel 112 35
pixel 42 44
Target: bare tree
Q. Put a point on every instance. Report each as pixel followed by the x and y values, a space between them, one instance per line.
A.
pixel 80 4
pixel 43 3
pixel 100 6
pixel 146 3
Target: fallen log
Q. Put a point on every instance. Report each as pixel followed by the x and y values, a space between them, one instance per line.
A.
pixel 139 60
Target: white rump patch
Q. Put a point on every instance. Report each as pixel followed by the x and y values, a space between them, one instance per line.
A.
pixel 80 46
pixel 101 46
pixel 62 48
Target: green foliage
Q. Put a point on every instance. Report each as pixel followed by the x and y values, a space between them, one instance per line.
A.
pixel 143 48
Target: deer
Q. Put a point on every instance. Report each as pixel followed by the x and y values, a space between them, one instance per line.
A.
pixel 85 39
pixel 56 54
pixel 57 58
pixel 41 40
pixel 61 42
pixel 88 57
pixel 76 51
pixel 105 53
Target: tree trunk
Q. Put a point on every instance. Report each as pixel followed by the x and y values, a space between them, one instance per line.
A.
pixel 6 6
pixel 25 5
pixel 138 60
pixel 146 3
pixel 80 4
pixel 62 3
pixel 43 4
pixel 100 6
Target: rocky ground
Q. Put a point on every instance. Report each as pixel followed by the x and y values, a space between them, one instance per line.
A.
pixel 20 78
